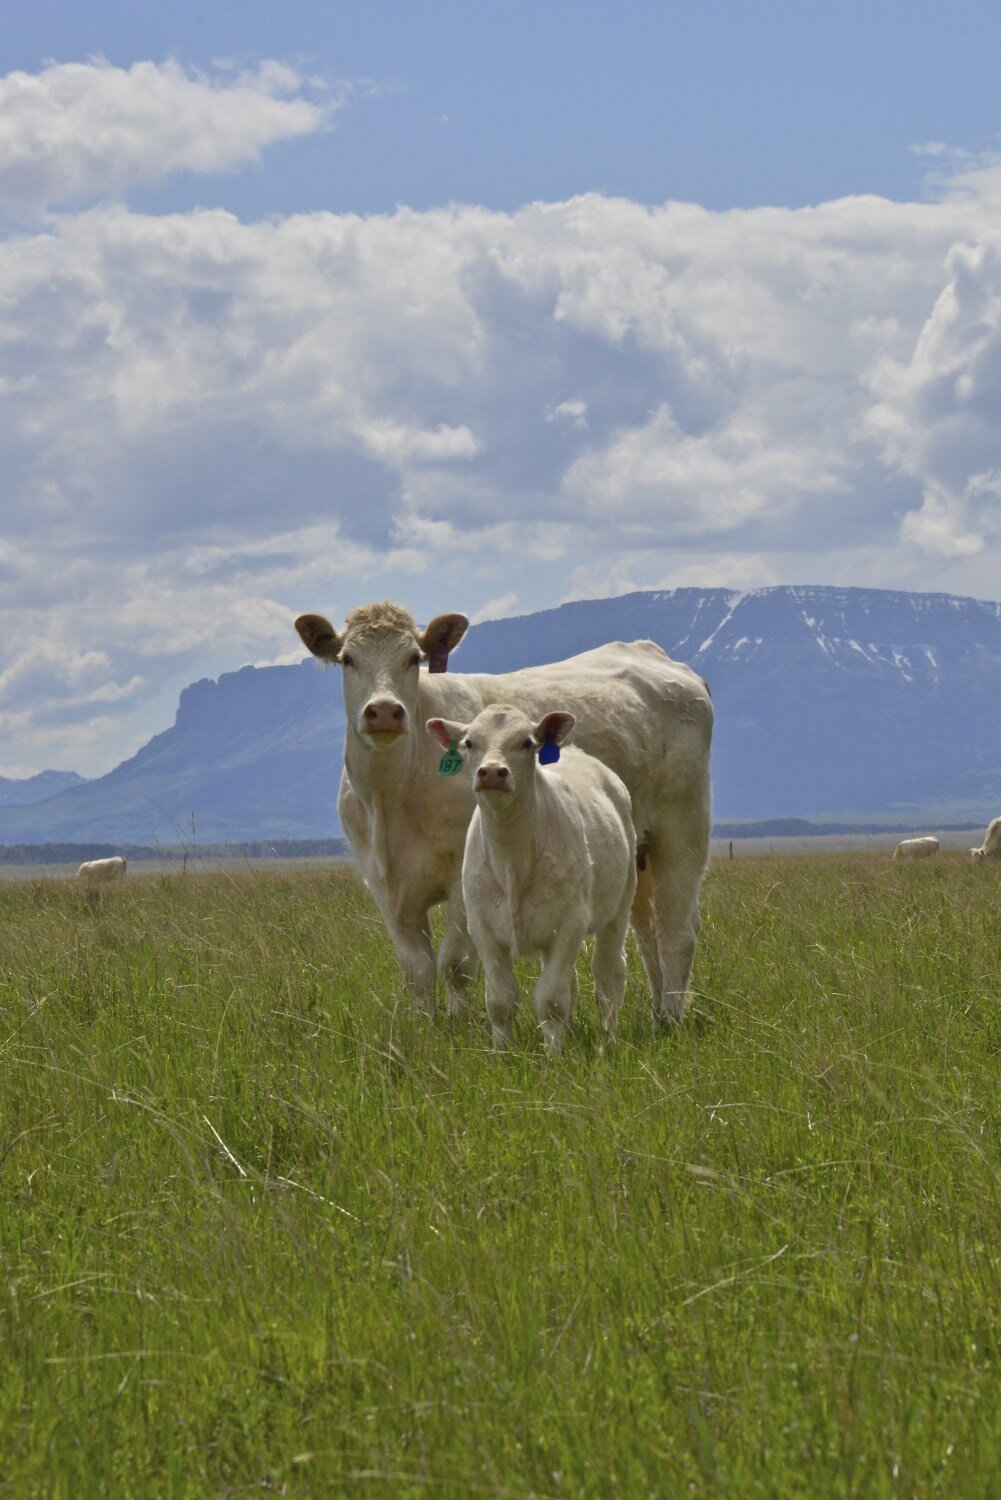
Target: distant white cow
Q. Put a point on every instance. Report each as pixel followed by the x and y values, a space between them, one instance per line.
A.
pixel 550 859
pixel 916 848
pixel 645 716
pixel 991 846
pixel 97 874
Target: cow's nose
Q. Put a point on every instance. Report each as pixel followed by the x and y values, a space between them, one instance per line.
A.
pixel 383 715
pixel 492 776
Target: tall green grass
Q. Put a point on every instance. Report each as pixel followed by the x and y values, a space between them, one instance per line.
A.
pixel 262 1229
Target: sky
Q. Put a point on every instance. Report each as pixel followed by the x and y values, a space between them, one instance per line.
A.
pixel 481 307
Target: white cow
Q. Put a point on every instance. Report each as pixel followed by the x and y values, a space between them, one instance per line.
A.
pixel 97 874
pixel 645 716
pixel 550 859
pixel 916 848
pixel 991 846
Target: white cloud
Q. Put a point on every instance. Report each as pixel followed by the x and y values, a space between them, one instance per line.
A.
pixel 398 443
pixel 604 580
pixel 79 131
pixel 573 411
pixel 495 609
pixel 728 571
pixel 45 664
pixel 283 659
pixel 685 484
pixel 936 414
pixel 951 525
pixel 210 425
pixel 955 171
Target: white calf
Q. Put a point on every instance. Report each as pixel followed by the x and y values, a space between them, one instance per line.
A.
pixel 916 848
pixel 550 858
pixel 991 846
pixel 96 874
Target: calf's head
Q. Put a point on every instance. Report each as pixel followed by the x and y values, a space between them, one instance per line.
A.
pixel 380 651
pixel 500 747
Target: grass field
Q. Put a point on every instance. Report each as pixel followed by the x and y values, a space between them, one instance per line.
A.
pixel 263 1230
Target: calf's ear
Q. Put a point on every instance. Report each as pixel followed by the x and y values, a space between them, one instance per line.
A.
pixel 443 633
pixel 445 731
pixel 555 726
pixel 319 636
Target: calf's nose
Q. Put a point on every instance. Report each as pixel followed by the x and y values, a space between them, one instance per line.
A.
pixel 492 776
pixel 383 715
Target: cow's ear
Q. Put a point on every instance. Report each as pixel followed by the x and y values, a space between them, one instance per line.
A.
pixel 555 727
pixel 443 634
pixel 445 732
pixel 319 636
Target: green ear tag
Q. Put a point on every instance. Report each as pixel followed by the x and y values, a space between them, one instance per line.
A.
pixel 451 762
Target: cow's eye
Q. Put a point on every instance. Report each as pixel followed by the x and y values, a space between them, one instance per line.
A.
pixel 415 660
pixel 467 744
pixel 347 661
pixel 528 745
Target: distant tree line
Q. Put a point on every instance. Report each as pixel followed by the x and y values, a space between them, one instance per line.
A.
pixel 65 854
pixel 797 828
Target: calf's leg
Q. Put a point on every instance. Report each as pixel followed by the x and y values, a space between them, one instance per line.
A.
pixel 500 984
pixel 502 997
pixel 556 988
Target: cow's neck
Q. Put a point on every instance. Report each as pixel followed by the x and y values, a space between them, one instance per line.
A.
pixel 382 780
pixel 381 776
pixel 511 832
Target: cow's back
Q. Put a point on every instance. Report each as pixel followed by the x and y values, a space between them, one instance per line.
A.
pixel 922 848
pixel 102 871
pixel 645 716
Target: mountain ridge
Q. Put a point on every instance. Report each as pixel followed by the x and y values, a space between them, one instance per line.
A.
pixel 22 791
pixel 835 704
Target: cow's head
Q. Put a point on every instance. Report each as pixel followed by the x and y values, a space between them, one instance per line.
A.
pixel 380 651
pixel 500 747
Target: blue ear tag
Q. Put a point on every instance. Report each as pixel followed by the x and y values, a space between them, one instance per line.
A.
pixel 451 762
pixel 550 753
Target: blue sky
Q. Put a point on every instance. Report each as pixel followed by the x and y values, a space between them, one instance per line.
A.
pixel 724 103
pixel 481 306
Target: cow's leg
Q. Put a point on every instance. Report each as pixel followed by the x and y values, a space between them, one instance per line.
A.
pixel 457 956
pixel 608 965
pixel 409 926
pixel 679 861
pixel 416 955
pixel 556 987
pixel 643 926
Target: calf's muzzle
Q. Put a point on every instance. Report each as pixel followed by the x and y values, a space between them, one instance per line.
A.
pixel 492 778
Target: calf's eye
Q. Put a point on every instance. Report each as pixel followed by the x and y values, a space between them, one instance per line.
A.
pixel 528 745
pixel 347 661
pixel 415 660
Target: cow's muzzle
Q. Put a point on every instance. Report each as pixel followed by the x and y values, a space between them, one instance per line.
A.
pixel 384 720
